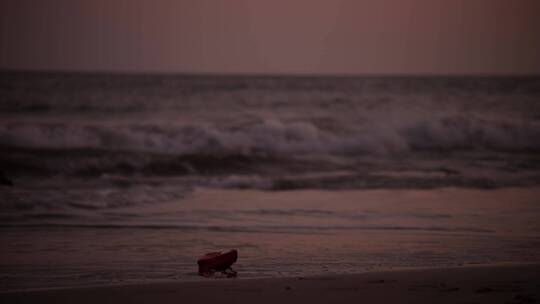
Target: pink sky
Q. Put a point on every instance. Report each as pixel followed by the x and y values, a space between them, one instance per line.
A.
pixel 278 36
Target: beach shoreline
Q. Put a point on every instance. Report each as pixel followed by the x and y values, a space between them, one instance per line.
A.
pixel 277 234
pixel 469 284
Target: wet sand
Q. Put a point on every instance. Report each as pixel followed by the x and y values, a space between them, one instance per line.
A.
pixel 476 284
pixel 277 234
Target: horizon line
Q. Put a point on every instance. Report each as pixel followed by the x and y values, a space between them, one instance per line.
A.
pixel 260 74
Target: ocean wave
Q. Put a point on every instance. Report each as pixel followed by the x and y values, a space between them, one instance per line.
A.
pixel 125 171
pixel 57 197
pixel 376 136
pixel 101 163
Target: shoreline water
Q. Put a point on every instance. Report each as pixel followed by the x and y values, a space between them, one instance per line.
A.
pixel 218 278
pixel 335 232
pixel 471 284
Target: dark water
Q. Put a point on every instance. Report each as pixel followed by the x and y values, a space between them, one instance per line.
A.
pixel 158 168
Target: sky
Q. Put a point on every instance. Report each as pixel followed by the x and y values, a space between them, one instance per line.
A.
pixel 272 36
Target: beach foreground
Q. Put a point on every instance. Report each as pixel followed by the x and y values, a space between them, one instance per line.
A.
pixel 477 284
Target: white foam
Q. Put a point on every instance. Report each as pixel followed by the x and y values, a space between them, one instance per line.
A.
pixel 376 133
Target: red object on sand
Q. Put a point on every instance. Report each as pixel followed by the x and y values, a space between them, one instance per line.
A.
pixel 218 261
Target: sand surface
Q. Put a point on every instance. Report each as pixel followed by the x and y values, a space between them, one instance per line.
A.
pixel 277 234
pixel 480 284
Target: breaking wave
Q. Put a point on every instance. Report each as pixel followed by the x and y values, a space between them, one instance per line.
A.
pixel 276 137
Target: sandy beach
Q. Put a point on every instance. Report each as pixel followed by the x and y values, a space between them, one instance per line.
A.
pixel 475 284
pixel 277 234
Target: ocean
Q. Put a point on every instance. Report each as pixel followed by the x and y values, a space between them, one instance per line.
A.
pixel 130 178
